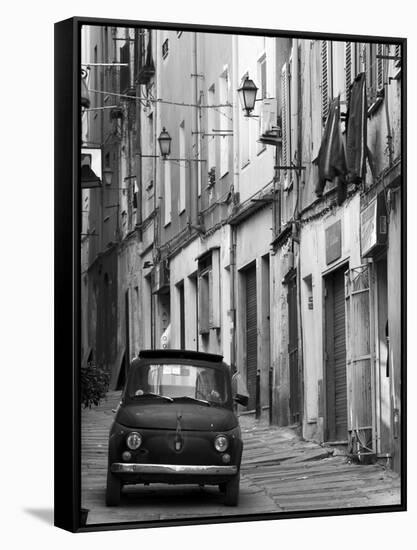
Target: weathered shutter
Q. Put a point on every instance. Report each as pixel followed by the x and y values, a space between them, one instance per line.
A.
pixel 215 288
pixel 251 335
pixel 325 80
pixel 203 303
pixel 358 352
pixel 285 115
pixel 397 53
pixel 379 67
pixel 182 315
pixel 348 68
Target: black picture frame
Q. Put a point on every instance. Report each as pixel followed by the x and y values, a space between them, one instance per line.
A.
pixel 68 511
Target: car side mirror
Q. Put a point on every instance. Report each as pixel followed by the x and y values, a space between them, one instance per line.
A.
pixel 239 390
pixel 241 400
pixel 117 408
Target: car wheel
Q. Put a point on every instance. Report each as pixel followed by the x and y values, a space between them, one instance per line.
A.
pixel 232 491
pixel 113 490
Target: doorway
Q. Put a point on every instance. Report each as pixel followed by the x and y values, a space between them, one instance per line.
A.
pixel 251 335
pixel 335 357
pixel 383 367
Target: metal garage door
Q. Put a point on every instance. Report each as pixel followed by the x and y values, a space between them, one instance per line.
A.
pixel 251 335
pixel 335 347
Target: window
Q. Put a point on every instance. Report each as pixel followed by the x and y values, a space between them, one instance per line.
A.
pixel 211 124
pixel 352 65
pixel 175 380
pixel 167 191
pixel 182 168
pixel 124 69
pixel 374 67
pixel 224 123
pixel 165 49
pixel 333 74
pixel 209 291
pixel 136 201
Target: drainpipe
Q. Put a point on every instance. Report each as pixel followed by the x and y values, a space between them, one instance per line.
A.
pixel 138 143
pixel 297 141
pixel 387 117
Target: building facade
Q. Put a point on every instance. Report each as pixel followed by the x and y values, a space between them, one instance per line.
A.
pixel 273 239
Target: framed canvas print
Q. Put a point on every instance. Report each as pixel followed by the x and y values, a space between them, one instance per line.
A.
pixel 230 274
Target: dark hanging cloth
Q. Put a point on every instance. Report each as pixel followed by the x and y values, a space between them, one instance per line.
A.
pixel 356 135
pixel 331 160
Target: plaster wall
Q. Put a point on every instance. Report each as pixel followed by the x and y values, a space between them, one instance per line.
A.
pixel 312 268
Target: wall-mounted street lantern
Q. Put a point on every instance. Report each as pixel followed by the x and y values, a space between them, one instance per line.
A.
pixel 164 143
pixel 247 94
pixel 107 176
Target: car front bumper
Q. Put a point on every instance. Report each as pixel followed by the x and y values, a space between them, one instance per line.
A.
pixel 173 469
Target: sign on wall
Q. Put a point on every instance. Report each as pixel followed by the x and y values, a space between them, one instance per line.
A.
pixel 333 236
pixel 373 226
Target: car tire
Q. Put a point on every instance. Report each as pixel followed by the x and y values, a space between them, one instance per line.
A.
pixel 113 490
pixel 232 491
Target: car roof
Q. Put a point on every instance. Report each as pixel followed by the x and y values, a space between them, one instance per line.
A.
pixel 180 354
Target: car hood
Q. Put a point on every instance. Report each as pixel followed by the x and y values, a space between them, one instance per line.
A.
pixel 165 416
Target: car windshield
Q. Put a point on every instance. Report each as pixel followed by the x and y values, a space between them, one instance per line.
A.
pixel 177 381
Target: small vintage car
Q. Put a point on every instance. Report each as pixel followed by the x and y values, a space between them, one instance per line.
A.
pixel 176 424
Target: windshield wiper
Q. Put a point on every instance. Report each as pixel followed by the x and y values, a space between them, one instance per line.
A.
pixel 195 399
pixel 151 394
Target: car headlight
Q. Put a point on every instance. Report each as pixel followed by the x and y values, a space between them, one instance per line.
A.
pixel 221 443
pixel 134 441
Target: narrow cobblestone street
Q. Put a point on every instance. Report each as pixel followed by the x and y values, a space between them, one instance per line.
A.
pixel 279 473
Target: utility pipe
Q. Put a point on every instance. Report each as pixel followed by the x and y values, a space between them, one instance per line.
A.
pixel 138 113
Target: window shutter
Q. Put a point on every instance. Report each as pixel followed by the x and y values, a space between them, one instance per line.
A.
pixel 325 80
pixel 203 303
pixel 124 71
pixel 210 297
pixel 348 68
pixel 397 53
pixel 286 130
pixel 379 67
pixel 215 288
pixel 358 350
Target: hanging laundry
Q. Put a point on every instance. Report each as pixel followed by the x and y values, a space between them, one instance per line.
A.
pixel 356 135
pixel 331 160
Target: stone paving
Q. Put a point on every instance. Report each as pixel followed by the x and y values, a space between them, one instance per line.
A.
pixel 279 473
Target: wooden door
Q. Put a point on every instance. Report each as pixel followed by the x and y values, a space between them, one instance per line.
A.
pixel 335 358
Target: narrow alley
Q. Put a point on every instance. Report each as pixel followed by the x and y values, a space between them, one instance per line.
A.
pixel 280 473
